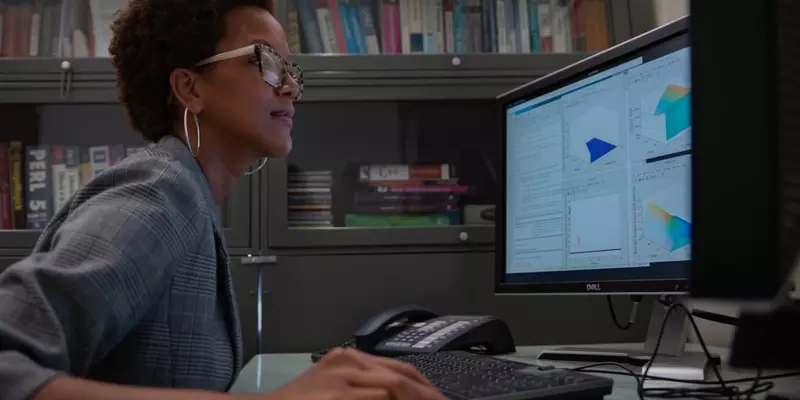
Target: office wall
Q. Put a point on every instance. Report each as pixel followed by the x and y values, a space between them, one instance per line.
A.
pixel 669 10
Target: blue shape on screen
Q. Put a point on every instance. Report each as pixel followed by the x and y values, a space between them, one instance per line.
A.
pixel 598 148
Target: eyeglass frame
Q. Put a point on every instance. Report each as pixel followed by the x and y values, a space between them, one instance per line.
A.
pixel 257 50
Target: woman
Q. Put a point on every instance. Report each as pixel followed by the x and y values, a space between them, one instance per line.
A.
pixel 128 290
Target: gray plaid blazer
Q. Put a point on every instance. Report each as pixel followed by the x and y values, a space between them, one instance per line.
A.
pixel 128 283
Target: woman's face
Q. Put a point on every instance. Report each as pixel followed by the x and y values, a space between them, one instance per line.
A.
pixel 248 112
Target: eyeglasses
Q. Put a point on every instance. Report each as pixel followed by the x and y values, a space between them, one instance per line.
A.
pixel 273 68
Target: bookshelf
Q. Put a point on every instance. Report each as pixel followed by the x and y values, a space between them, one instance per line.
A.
pixel 448 26
pixel 48 150
pixel 78 28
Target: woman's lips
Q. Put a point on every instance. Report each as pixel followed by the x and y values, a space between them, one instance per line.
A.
pixel 283 117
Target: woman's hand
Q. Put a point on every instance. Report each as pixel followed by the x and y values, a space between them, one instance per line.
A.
pixel 353 375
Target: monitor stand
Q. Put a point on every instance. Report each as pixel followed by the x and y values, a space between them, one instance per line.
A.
pixel 671 357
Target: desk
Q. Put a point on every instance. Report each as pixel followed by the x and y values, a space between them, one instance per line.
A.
pixel 266 372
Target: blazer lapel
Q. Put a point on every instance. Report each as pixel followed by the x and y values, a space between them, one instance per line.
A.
pixel 181 153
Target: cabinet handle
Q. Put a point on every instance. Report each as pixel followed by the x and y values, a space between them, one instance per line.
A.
pixel 258 260
pixel 66 79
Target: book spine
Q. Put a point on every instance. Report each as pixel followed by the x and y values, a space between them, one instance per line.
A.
pixel 85 167
pixel 293 28
pixel 524 28
pixel 39 205
pixel 502 29
pixel 327 30
pixel 390 172
pixel 6 212
pixel 386 220
pixel 376 197
pixel 22 45
pixel 9 31
pixel 357 26
pixel 347 27
pixel 405 27
pixel 459 189
pixel 474 32
pixel 100 159
pixel 487 26
pixel 449 27
pixel 368 24
pixel 310 27
pixel 545 14
pixel 404 208
pixel 36 22
pixel 533 22
pixel 415 27
pixel 116 153
pixel 562 41
pixel 338 27
pixel 73 173
pixel 511 26
pixel 391 36
pixel 2 18
pixel 17 185
pixel 59 177
pixel 459 26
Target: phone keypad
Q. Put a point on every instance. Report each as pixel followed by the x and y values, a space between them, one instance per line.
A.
pixel 450 328
pixel 431 334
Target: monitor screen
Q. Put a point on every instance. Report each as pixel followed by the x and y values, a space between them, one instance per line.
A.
pixel 598 173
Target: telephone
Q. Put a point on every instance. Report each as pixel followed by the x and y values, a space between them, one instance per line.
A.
pixel 412 330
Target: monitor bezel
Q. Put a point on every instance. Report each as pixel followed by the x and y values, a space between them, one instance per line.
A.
pixel 582 69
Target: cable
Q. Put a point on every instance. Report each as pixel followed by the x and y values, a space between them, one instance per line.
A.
pixel 724 391
pixel 628 371
pixel 631 319
pixel 716 317
pixel 707 315
pixel 590 368
pixel 707 390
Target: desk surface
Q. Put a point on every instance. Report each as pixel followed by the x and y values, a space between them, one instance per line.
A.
pixel 266 372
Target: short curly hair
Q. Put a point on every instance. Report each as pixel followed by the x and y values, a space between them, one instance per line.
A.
pixel 153 37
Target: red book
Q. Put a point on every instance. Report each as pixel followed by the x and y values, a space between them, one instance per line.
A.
pixel 336 19
pixel 390 23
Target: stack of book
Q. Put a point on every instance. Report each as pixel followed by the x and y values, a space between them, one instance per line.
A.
pixel 405 195
pixel 310 199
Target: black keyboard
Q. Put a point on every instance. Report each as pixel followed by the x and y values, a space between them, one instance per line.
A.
pixel 461 375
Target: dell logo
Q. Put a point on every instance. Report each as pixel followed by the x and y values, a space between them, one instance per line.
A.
pixel 593 287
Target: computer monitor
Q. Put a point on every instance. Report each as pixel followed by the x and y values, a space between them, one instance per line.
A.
pixel 749 150
pixel 747 176
pixel 597 180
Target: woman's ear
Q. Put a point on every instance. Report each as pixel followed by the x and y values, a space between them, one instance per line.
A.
pixel 185 89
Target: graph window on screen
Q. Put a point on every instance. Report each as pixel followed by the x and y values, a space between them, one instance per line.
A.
pixel 598 172
pixel 594 127
pixel 659 102
pixel 597 220
pixel 662 209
